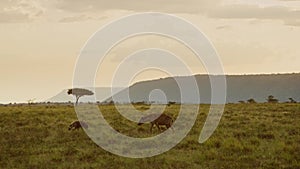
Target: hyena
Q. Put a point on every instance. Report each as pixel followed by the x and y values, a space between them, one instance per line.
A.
pixel 158 120
pixel 78 124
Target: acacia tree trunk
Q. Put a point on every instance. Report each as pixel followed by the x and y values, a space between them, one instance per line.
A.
pixel 77 98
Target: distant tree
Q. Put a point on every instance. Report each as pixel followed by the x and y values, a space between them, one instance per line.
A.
pixel 140 102
pixel 292 100
pixel 171 103
pixel 31 101
pixel 104 102
pixel 251 101
pixel 78 92
pixel 241 101
pixel 271 99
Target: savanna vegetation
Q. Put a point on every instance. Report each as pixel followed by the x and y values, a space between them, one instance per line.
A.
pixel 248 136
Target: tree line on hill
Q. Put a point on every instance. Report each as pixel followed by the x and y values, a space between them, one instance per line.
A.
pixel 270 99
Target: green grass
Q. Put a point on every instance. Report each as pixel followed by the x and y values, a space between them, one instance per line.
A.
pixel 249 136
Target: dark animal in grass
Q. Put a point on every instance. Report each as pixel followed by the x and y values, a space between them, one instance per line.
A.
pixel 78 124
pixel 157 120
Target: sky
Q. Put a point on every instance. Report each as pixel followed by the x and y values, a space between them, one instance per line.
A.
pixel 41 39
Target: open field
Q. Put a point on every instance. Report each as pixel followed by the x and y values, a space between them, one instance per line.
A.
pixel 249 136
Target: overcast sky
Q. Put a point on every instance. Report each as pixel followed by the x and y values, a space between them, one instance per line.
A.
pixel 41 39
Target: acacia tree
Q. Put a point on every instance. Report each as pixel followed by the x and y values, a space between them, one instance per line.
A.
pixel 241 101
pixel 292 100
pixel 78 92
pixel 31 101
pixel 251 101
pixel 271 99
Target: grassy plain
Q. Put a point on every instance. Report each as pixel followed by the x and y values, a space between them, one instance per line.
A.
pixel 248 136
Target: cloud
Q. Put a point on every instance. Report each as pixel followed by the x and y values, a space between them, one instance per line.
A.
pixel 13 17
pixel 78 10
pixel 240 11
pixel 80 18
pixel 254 11
pixel 213 9
pixel 293 22
pixel 20 10
pixel 172 6
pixel 223 27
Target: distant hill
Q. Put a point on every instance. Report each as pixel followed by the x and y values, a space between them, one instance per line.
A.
pixel 239 88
